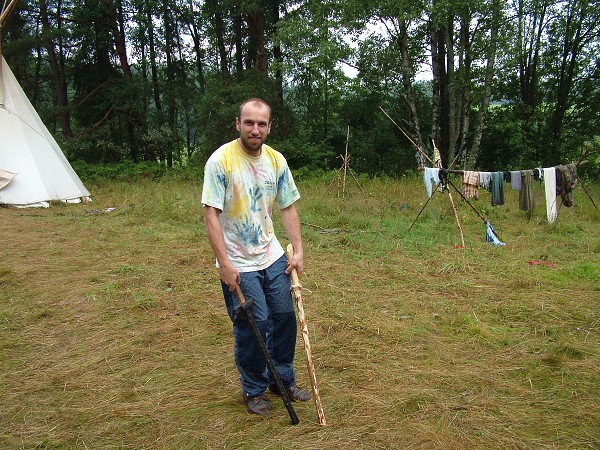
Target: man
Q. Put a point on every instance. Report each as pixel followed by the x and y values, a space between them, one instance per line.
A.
pixel 243 180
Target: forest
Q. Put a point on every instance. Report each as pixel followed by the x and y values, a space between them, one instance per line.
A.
pixel 495 85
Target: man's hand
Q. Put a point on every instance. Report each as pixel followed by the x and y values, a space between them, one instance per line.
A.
pixel 230 276
pixel 297 262
pixel 227 272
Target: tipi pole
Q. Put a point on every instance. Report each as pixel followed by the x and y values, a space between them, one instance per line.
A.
pixel 472 207
pixel 4 13
pixel 345 167
pixel 462 237
pixel 336 178
pixel 424 206
pixel 357 183
pixel 6 10
pixel 586 193
pixel 408 137
pixel 1 64
pixel 439 163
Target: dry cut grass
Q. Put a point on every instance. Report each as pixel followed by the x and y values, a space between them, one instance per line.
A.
pixel 113 333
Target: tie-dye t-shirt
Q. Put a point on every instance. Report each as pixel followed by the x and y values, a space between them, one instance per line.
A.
pixel 245 188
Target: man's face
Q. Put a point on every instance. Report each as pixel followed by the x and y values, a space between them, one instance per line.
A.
pixel 254 125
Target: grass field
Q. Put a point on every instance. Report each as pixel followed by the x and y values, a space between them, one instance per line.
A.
pixel 113 332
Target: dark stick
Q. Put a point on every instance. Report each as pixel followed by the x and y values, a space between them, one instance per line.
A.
pixel 586 193
pixel 424 206
pixel 244 308
pixel 472 207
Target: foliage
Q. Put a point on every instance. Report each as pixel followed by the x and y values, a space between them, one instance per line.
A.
pixel 504 143
pixel 144 80
pixel 128 170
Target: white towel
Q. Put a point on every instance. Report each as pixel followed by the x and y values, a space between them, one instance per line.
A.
pixel 485 178
pixel 431 176
pixel 550 187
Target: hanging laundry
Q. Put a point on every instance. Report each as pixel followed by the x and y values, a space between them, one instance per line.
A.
pixel 485 178
pixel 491 236
pixel 497 188
pixel 566 180
pixel 470 185
pixel 550 188
pixel 527 195
pixel 431 176
pixel 515 180
pixel 437 158
pixel 444 180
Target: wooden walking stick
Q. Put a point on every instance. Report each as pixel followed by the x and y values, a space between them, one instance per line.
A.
pixel 297 292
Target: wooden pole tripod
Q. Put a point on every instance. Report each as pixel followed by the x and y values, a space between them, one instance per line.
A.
pixel 346 169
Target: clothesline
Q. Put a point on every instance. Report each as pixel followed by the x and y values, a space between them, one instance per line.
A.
pixel 460 172
pixel 558 180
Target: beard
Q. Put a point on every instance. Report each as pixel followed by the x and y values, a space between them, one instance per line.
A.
pixel 253 145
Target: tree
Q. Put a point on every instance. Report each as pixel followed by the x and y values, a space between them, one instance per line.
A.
pixel 557 43
pixel 313 48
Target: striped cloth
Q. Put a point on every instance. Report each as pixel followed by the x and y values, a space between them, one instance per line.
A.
pixel 470 184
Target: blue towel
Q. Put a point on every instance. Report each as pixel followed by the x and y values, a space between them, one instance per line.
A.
pixel 490 235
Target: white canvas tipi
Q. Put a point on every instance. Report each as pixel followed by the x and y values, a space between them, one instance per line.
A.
pixel 33 168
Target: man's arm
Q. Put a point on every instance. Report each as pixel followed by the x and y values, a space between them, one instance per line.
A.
pixel 291 224
pixel 227 272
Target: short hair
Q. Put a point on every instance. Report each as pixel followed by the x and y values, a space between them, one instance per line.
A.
pixel 255 100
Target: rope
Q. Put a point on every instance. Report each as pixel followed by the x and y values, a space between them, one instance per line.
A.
pixel 299 286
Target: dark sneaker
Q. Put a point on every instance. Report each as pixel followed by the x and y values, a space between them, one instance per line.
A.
pixel 294 393
pixel 257 405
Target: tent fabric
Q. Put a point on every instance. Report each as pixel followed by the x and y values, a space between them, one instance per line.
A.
pixel 27 149
pixel 5 178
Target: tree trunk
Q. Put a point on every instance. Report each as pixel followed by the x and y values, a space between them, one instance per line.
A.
pixel 118 31
pixel 464 100
pixel 149 153
pixel 570 52
pixel 278 56
pixel 60 85
pixel 409 94
pixel 171 70
pixel 529 47
pixel 215 8
pixel 454 98
pixel 444 118
pixel 198 50
pixel 435 91
pixel 239 47
pixel 153 64
pixel 256 24
pixel 489 75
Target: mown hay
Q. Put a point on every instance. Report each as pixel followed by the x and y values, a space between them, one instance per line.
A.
pixel 113 332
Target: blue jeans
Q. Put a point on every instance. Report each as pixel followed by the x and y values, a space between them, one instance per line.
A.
pixel 274 314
